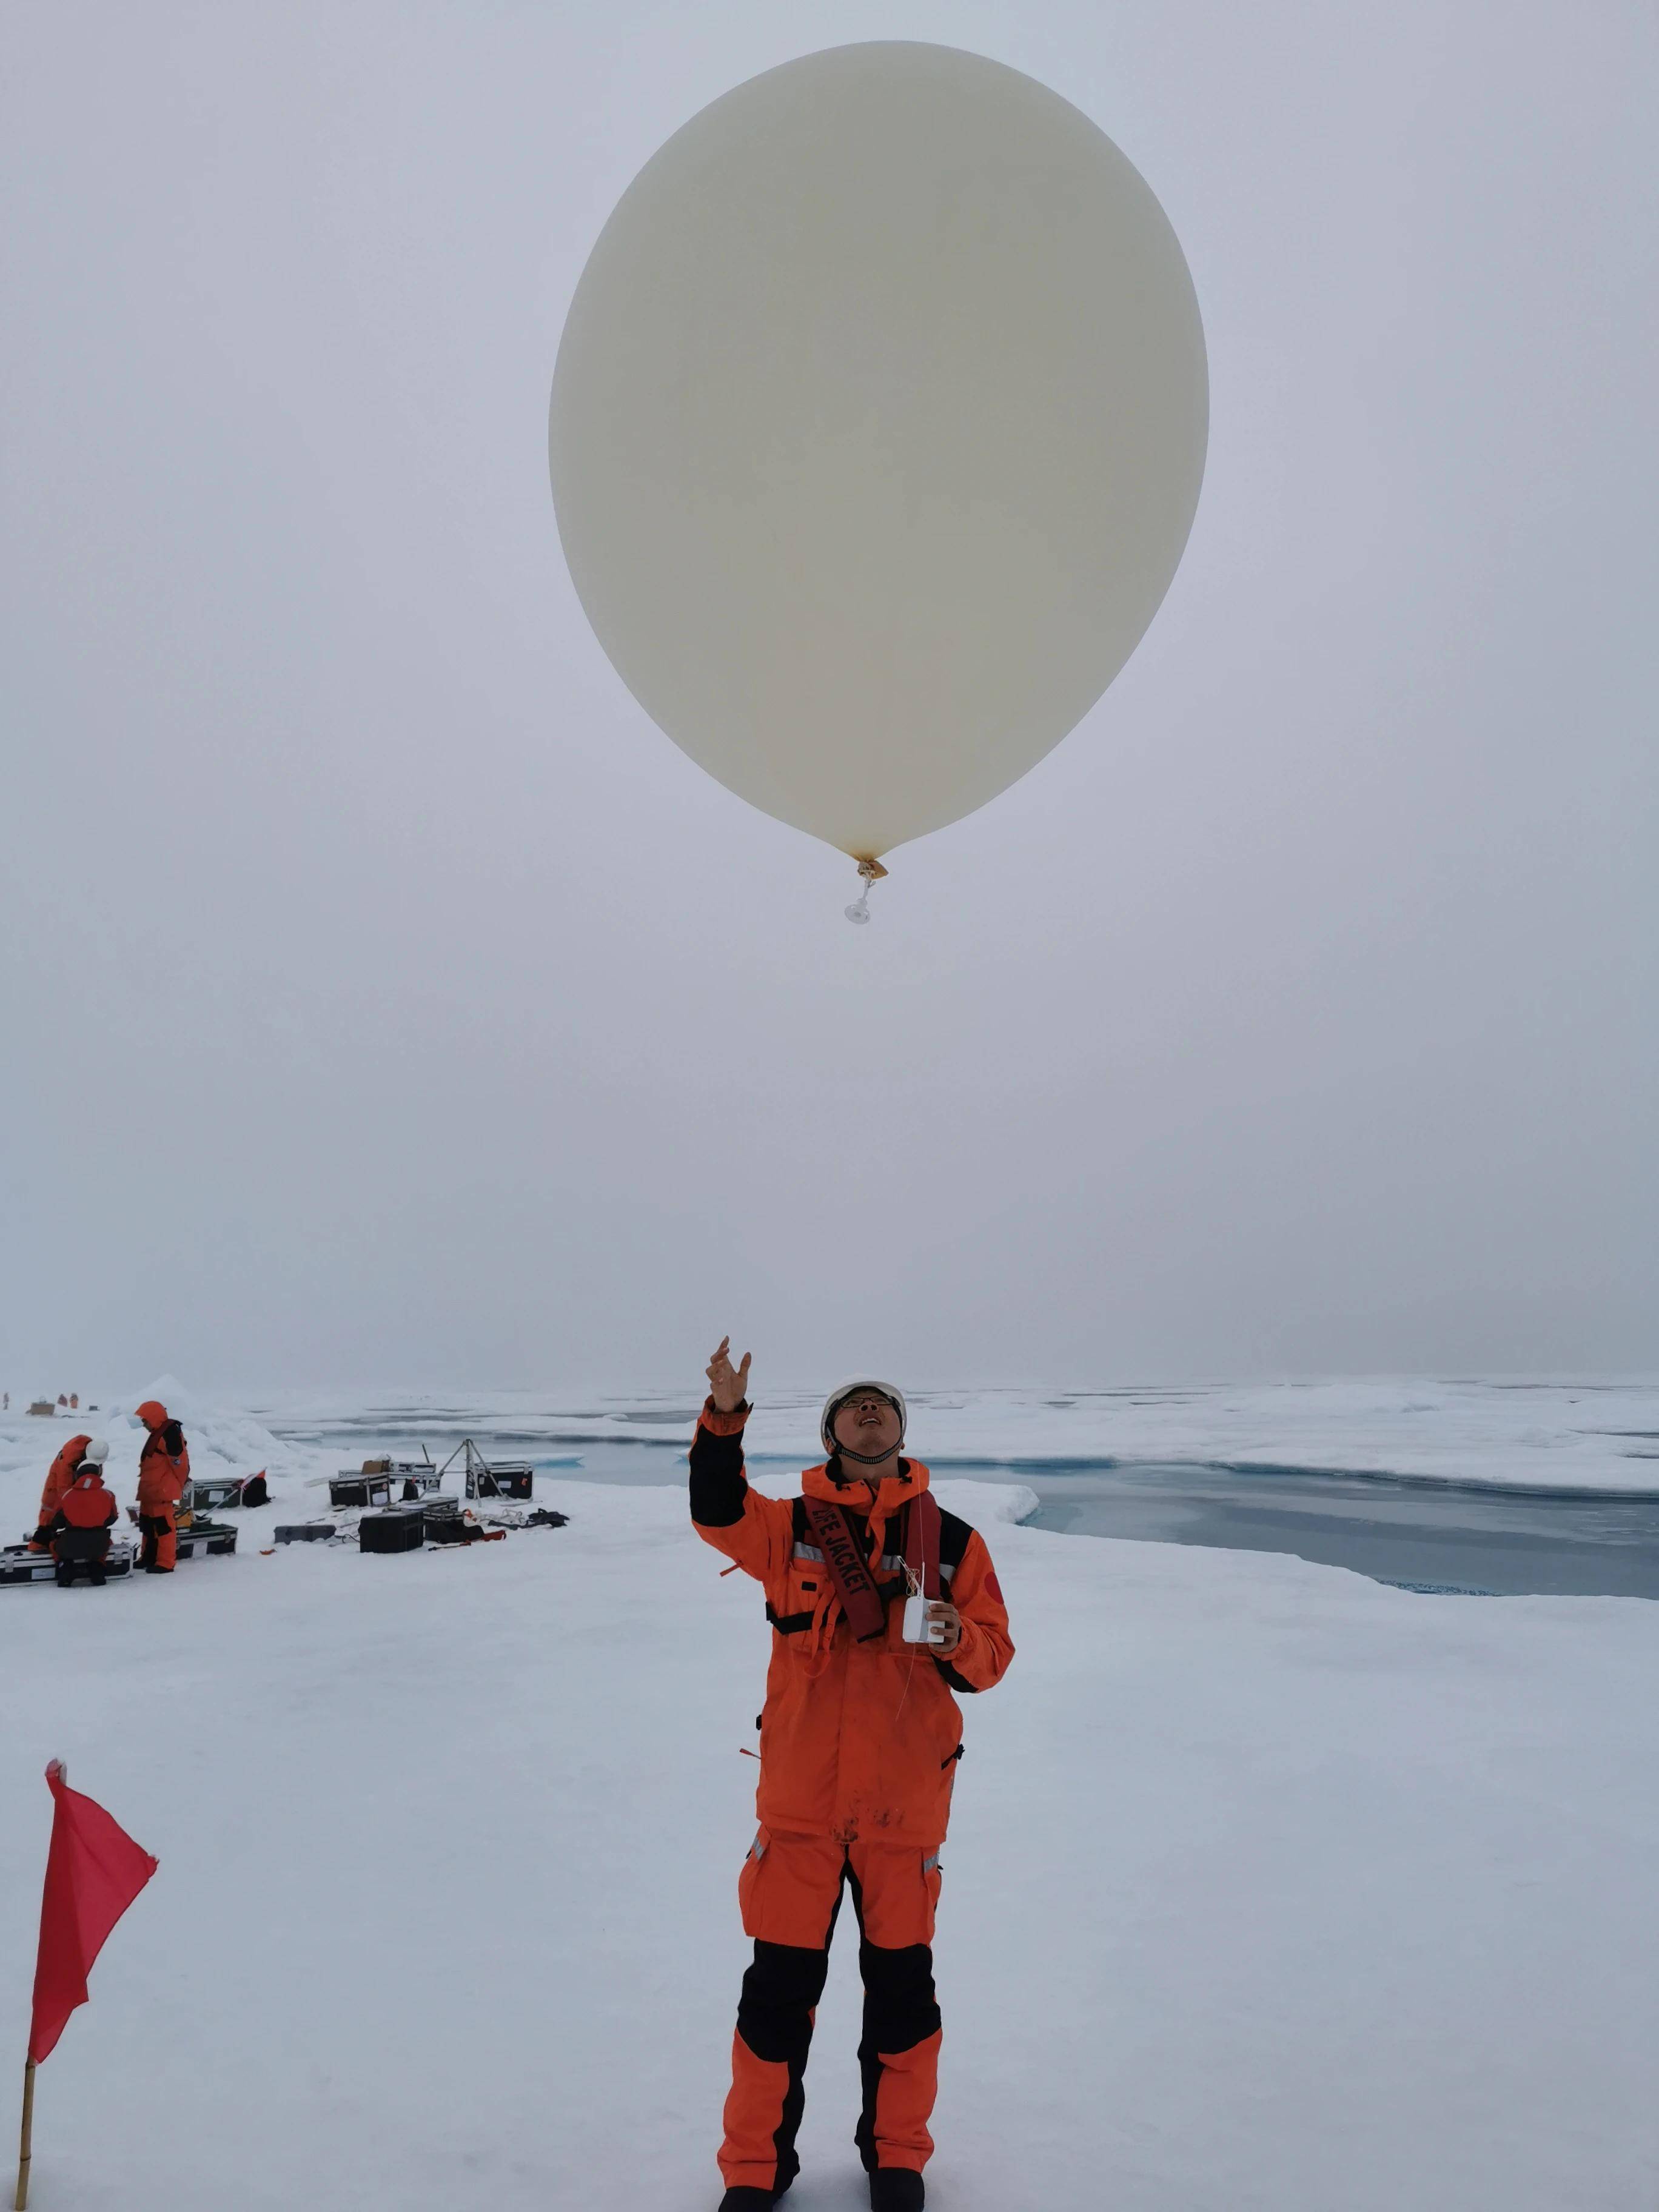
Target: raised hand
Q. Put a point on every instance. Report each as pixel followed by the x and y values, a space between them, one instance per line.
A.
pixel 727 1385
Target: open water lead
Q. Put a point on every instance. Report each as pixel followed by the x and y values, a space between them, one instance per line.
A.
pixel 870 872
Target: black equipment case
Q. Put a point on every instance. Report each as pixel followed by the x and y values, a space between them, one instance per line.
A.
pixel 18 1563
pixel 207 1494
pixel 360 1489
pixel 502 1478
pixel 403 1528
pixel 205 1540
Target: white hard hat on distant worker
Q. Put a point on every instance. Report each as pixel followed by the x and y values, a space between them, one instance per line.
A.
pixel 876 432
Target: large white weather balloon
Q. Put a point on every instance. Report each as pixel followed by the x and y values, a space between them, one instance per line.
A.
pixel 877 431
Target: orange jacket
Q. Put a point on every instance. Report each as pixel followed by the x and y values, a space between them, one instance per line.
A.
pixel 59 1478
pixel 87 1504
pixel 857 1740
pixel 162 1471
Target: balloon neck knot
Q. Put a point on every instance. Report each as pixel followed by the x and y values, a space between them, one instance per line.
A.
pixel 870 872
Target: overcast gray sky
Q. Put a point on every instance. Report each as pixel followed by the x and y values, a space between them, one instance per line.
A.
pixel 384 998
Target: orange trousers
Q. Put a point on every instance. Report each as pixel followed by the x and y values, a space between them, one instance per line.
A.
pixel 160 1545
pixel 790 1891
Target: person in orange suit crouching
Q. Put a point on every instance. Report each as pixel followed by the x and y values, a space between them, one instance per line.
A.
pixel 163 1471
pixel 884 1611
pixel 80 1527
pixel 59 1475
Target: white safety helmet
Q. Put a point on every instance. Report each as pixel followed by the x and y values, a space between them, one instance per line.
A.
pixel 843 1392
pixel 97 1452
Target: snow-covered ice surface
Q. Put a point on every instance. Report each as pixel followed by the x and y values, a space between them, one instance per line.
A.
pixel 1268 1887
pixel 1590 1433
pixel 1546 1490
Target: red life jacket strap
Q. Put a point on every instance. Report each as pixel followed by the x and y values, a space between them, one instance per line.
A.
pixel 855 1586
pixel 924 1528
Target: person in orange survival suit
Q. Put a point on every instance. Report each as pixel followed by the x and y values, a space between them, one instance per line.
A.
pixel 860 1740
pixel 81 1525
pixel 60 1476
pixel 163 1471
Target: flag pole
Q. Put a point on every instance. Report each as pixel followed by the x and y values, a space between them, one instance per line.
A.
pixel 21 2202
pixel 26 2136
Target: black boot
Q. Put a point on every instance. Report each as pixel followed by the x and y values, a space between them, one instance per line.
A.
pixel 748 2200
pixel 897 2189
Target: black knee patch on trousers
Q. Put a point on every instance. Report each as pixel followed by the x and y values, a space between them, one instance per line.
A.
pixel 900 2008
pixel 780 1993
pixel 779 1990
pixel 899 2011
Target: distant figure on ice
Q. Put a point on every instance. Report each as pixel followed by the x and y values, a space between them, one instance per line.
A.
pixel 859 1745
pixel 163 1471
pixel 59 1475
pixel 80 1529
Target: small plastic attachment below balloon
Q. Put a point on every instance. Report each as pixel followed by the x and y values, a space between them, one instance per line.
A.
pixel 870 872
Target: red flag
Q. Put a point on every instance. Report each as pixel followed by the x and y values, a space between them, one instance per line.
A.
pixel 94 1871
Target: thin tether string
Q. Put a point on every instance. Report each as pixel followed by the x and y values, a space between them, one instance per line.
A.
pixel 870 872
pixel 920 1579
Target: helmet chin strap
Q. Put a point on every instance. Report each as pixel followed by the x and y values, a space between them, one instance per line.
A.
pixel 867 1459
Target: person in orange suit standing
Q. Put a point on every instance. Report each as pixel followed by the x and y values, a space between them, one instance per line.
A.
pixel 80 1527
pixel 163 1471
pixel 884 1611
pixel 60 1476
